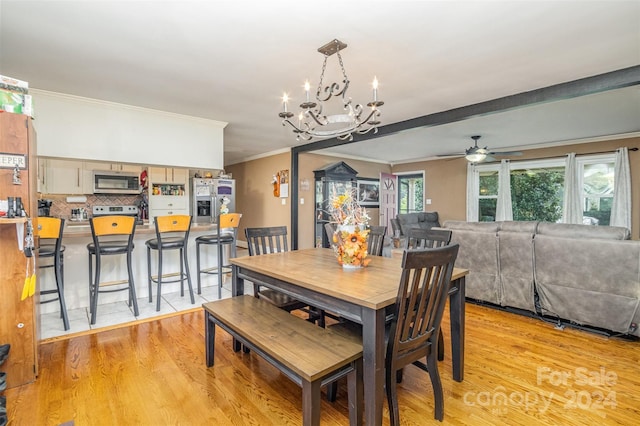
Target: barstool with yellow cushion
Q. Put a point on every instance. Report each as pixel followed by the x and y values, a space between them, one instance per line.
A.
pixel 49 229
pixel 172 233
pixel 226 235
pixel 108 233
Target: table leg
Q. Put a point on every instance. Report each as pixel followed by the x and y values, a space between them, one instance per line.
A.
pixel 457 315
pixel 209 338
pixel 373 347
pixel 237 289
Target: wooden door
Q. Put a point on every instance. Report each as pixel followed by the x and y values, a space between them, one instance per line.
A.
pixel 388 199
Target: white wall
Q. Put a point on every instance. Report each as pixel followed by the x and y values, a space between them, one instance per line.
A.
pixel 82 128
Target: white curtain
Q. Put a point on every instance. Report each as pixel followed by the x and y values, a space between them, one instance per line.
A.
pixel 621 208
pixel 572 206
pixel 504 210
pixel 473 186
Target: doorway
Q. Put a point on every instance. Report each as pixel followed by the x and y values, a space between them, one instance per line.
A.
pixel 411 192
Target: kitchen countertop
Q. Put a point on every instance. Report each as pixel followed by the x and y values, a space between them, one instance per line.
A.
pixel 83 229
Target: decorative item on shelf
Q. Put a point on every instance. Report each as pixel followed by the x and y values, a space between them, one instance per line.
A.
pixel 313 122
pixel 16 175
pixel 350 237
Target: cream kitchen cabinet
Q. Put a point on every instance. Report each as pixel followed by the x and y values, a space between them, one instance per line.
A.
pixel 163 205
pixel 62 176
pixel 113 167
pixel 168 191
pixel 168 175
pixel 91 166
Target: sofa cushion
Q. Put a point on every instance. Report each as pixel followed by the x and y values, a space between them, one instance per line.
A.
pixel 589 281
pixel 479 253
pixel 515 254
pixel 584 231
pixel 529 227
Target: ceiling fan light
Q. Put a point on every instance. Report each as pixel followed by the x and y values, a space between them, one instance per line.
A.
pixel 475 157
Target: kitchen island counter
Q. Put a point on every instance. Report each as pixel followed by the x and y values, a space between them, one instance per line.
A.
pixel 76 237
pixel 83 229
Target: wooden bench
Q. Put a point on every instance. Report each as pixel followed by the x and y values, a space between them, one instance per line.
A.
pixel 309 355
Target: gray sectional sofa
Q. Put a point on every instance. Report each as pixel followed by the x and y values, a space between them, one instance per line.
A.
pixel 579 274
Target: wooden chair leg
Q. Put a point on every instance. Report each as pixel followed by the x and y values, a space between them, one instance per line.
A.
pixel 392 397
pixel 355 384
pixel 438 397
pixel 440 346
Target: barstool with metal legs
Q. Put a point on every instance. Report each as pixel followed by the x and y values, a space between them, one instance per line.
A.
pixel 108 233
pixel 49 229
pixel 226 235
pixel 172 233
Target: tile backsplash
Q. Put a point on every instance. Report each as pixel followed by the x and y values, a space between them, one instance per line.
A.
pixel 61 208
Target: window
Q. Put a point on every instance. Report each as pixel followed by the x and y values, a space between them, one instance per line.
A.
pixel 597 190
pixel 488 195
pixel 411 196
pixel 537 189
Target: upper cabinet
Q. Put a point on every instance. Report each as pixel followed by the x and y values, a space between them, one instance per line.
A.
pixel 169 191
pixel 62 176
pixel 57 176
pixel 168 175
pixel 113 167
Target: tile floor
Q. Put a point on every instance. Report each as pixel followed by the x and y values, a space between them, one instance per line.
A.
pixel 118 313
pixel 112 314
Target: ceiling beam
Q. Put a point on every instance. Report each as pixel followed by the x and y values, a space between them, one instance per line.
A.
pixel 585 86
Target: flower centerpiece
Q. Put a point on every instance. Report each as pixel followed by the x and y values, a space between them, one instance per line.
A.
pixel 350 237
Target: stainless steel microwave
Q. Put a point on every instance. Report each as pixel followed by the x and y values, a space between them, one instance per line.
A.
pixel 115 183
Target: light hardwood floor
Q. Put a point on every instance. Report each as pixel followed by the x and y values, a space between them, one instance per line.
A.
pixel 518 371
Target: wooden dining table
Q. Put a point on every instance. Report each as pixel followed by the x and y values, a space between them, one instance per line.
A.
pixel 361 295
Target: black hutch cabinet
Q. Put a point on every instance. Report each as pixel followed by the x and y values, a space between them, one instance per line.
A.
pixel 329 180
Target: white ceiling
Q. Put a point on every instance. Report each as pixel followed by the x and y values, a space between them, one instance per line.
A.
pixel 232 60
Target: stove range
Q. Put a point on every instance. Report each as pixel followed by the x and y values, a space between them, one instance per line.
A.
pixel 115 210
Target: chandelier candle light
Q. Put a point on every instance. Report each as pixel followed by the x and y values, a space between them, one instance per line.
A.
pixel 312 122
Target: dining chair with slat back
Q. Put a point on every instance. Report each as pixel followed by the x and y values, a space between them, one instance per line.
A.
pixel 414 327
pixel 375 241
pixel 330 229
pixel 49 230
pixel 427 238
pixel 226 235
pixel 107 233
pixel 395 228
pixel 172 233
pixel 273 239
pixel 414 330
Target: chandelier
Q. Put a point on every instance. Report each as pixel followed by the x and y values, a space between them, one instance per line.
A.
pixel 312 122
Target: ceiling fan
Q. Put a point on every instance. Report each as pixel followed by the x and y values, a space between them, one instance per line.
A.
pixel 476 154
